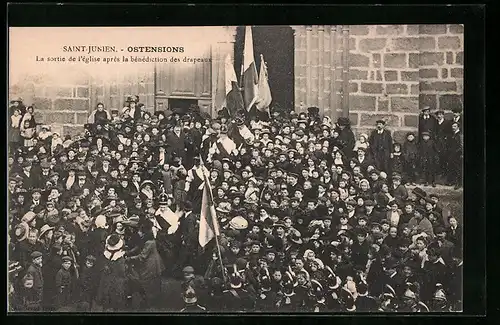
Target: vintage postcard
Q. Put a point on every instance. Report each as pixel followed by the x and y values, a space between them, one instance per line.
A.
pixel 236 169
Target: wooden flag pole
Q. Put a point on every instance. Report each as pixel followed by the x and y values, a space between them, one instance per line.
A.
pixel 216 235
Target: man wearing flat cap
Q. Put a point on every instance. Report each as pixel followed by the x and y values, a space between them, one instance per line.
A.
pixel 381 145
pixel 426 122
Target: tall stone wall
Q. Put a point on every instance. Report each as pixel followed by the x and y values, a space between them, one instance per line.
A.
pixel 394 70
pixel 66 102
pixel 397 69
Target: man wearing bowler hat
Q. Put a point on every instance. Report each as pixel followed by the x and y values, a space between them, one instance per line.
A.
pixel 381 145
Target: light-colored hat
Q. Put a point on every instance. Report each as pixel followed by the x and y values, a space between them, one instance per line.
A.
pixel 28 217
pixel 22 231
pixel 238 223
pixel 100 221
pixel 44 229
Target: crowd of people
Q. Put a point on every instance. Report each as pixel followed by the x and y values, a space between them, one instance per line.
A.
pixel 311 219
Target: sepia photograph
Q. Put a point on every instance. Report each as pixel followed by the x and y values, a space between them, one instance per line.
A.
pixel 236 169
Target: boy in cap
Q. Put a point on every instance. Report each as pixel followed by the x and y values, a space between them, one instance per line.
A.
pixel 65 284
pixel 35 271
pixel 410 156
pixel 88 283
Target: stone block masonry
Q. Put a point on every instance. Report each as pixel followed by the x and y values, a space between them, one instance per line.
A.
pixel 401 68
pixel 66 107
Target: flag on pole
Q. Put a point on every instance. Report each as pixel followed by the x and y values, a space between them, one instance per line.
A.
pixel 234 100
pixel 265 98
pixel 209 226
pixel 249 71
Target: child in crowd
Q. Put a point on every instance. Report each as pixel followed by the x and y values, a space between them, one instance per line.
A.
pixel 28 133
pixel 362 142
pixel 397 159
pixel 410 152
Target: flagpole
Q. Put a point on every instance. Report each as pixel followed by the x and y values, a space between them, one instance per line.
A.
pixel 242 62
pixel 216 235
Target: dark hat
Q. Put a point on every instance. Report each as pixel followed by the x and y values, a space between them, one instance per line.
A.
pixel 380 121
pixel 350 202
pixel 114 242
pixel 419 192
pixel 457 109
pixel 36 254
pixel 392 202
pixel 439 230
pixel 426 133
pixel 439 112
pixel 188 269
pixel 390 263
pixel 426 108
pixel 66 259
pixel 369 203
pixel 343 121
pixel 396 176
pixel 363 217
pixel 130 99
pixel 90 258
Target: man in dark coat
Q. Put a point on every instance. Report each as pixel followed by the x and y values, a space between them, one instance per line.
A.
pixel 455 156
pixel 435 271
pixel 381 146
pixel 150 266
pixel 346 136
pixel 29 177
pixel 426 123
pixel 457 117
pixel 427 154
pixel 176 143
pixel 365 302
pixel 442 131
pixel 237 299
pixel 360 249
pixel 189 236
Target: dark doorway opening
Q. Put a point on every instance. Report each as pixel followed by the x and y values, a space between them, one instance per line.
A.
pixel 181 104
pixel 276 44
